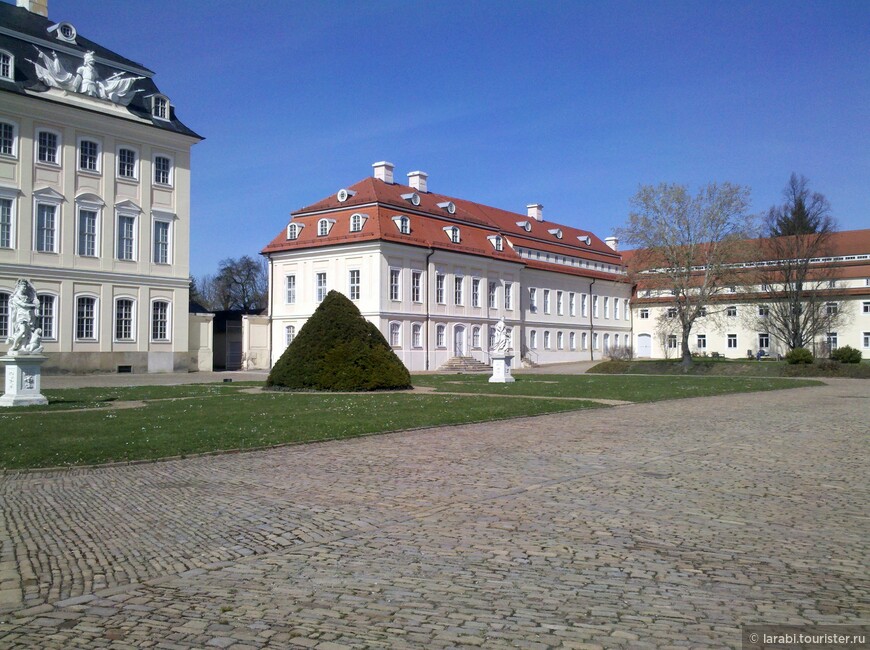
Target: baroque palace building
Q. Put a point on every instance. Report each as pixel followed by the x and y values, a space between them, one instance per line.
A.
pixel 436 273
pixel 94 198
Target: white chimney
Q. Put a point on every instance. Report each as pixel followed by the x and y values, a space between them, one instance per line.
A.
pixel 613 242
pixel 417 180
pixel 384 171
pixel 536 211
pixel 35 6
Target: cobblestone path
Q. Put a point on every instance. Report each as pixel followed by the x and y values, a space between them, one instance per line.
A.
pixel 657 525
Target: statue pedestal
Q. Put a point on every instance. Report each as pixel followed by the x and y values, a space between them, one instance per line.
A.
pixel 23 380
pixel 501 368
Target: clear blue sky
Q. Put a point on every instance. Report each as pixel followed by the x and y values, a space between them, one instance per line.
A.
pixel 569 104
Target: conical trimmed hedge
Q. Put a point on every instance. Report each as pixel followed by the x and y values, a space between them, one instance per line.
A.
pixel 338 349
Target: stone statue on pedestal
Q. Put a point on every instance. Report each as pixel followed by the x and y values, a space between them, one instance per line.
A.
pixel 24 334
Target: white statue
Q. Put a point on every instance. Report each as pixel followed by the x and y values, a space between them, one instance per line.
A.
pixel 501 343
pixel 86 80
pixel 24 334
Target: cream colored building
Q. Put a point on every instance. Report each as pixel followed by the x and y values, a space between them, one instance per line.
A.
pixel 436 273
pixel 94 199
pixel 736 323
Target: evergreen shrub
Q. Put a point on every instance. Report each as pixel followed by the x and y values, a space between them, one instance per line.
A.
pixel 799 355
pixel 337 349
pixel 846 354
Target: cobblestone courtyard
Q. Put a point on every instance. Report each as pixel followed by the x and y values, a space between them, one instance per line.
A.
pixel 655 525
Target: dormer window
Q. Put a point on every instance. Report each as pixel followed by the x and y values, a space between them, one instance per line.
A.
pixel 497 242
pixel 449 206
pixel 452 233
pixel 160 107
pixel 343 195
pixel 64 32
pixel 525 225
pixel 357 221
pixel 7 66
pixel 324 226
pixel 585 240
pixel 412 197
pixel 294 229
pixel 403 223
pixel 556 232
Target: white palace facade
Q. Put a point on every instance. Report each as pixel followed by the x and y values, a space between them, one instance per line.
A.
pixel 94 199
pixel 436 273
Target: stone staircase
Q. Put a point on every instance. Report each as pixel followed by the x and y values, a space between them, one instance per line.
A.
pixel 464 364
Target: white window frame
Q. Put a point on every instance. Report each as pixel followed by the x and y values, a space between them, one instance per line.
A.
pixel 731 341
pixel 9 64
pixel 731 311
pixel 290 289
pixel 4 312
pixel 761 341
pixel 458 290
pixel 606 343
pixel 320 286
pixel 866 340
pixel 572 304
pixel 832 339
pixel 354 287
pixel 509 295
pixel 616 309
pixel 133 328
pixel 475 292
pixel 560 340
pixel 289 334
pixel 136 163
pixel 560 303
pixel 546 339
pixel 626 310
pixel 475 337
pixel 546 301
pixel 584 340
pixel 441 336
pixel 156 100
pixel 58 150
pixel 832 308
pixel 701 341
pixel 55 322
pixel 324 227
pixel 572 341
pixel 595 340
pixel 10 195
pixel 89 208
pixel 595 308
pixel 96 317
pixel 169 240
pixel 395 334
pixel 453 234
pixel 607 307
pixel 416 286
pixel 643 313
pixel 533 339
pixel 492 294
pixel 533 299
pixel 672 342
pixel 98 161
pixel 416 336
pixel 865 307
pixel 294 229
pixel 395 284
pixel 440 297
pixel 53 203
pixel 170 174
pixel 126 213
pixel 584 306
pixel 151 322
pixel 357 221
pixel 13 154
pixel 403 224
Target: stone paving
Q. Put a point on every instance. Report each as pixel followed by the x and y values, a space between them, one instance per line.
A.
pixel 657 525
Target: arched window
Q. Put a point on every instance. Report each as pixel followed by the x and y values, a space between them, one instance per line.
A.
pixel 417 335
pixel 572 340
pixel 160 320
pixel 440 336
pixel 356 222
pixel 125 319
pixel 45 316
pixel 606 342
pixel 560 340
pixel 584 341
pixel 289 334
pixel 324 226
pixel 453 233
pixel 395 334
pixel 475 337
pixel 403 223
pixel 293 230
pixel 533 339
pixel 160 107
pixel 86 318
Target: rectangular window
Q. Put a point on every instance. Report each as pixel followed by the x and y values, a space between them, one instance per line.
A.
pixel 161 242
pixel 672 312
pixel 831 308
pixel 560 340
pixel 595 341
pixel 731 311
pixel 162 170
pixel 560 307
pixel 702 341
pixel 644 313
pixel 320 286
pixel 46 316
pixel 533 299
pixel 353 285
pixel 4 314
pixel 417 336
pixel 89 156
pixel 616 308
pixel 126 163
pixel 439 289
pixel 416 282
pixel 732 341
pixel 584 341
pixel 546 301
pixel 5 223
pixel 47 148
pixel 626 309
pixel 86 318
pixel 547 340
pixel 7 139
pixel 572 340
pixel 595 309
pixel 126 237
pixel 475 292
pixel 457 290
pixel 394 284
pixel 290 284
pixel 508 295
pixel 764 340
pixel 866 340
pixel 46 228
pixel 672 341
pixel 572 304
pixel 606 307
pixel 492 295
pixel 533 340
pixel 584 309
pixel 865 307
pixel 440 335
pixel 87 235
pixel 395 334
pixel 123 319
pixel 831 339
pixel 764 312
pixel 160 321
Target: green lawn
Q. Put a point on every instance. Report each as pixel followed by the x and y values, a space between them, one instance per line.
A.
pixel 189 419
pixel 621 387
pixel 735 368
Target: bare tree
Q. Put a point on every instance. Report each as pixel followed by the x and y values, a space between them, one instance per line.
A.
pixel 239 284
pixel 687 244
pixel 797 299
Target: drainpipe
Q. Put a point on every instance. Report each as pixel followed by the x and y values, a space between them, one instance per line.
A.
pixel 428 280
pixel 591 324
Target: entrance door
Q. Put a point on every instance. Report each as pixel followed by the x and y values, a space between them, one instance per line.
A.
pixel 459 341
pixel 644 345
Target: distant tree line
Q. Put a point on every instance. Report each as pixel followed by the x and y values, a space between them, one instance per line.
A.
pixel 240 283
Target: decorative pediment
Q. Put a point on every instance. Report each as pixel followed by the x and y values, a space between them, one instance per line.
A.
pixel 128 206
pixel 48 194
pixel 90 198
pixel 163 215
pixel 10 192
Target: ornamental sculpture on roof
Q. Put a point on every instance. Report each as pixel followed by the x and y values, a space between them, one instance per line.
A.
pixel 117 88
